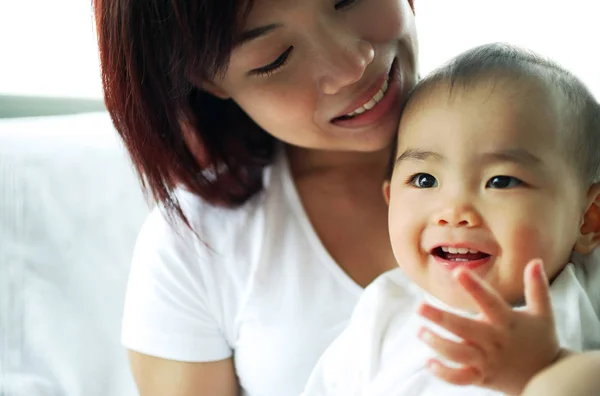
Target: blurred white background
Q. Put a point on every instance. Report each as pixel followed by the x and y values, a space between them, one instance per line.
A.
pixel 48 48
pixel 566 31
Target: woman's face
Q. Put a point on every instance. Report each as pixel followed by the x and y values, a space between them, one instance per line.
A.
pixel 306 69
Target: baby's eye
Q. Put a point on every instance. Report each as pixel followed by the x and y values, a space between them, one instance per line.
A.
pixel 423 180
pixel 503 182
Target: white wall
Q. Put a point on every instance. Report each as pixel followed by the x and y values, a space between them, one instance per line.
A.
pixel 47 47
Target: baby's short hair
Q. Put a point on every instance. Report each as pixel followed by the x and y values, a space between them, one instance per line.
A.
pixel 582 110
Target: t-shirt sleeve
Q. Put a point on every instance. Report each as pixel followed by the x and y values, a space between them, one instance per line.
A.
pixel 169 310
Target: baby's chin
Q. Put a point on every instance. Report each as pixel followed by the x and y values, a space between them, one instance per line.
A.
pixel 457 300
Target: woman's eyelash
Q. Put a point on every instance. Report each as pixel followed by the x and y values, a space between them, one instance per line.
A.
pixel 283 58
pixel 274 66
pixel 344 4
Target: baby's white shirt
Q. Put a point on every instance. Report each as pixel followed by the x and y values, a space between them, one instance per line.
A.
pixel 379 352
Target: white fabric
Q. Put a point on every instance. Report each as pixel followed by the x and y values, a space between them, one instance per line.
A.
pixel 379 354
pixel 70 209
pixel 258 285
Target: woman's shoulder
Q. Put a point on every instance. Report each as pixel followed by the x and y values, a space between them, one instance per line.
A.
pixel 185 283
pixel 193 279
pixel 217 227
pixel 213 234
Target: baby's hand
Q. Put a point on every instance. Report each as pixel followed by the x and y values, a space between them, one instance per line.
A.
pixel 502 349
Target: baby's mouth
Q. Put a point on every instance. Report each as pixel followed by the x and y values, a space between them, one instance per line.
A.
pixel 458 255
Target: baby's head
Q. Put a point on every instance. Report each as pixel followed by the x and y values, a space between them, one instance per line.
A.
pixel 496 163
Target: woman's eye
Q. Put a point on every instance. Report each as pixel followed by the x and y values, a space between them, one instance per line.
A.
pixel 503 182
pixel 273 66
pixel 423 180
pixel 344 4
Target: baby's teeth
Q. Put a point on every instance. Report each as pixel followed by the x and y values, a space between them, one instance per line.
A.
pixel 452 250
pixel 378 96
pixel 360 110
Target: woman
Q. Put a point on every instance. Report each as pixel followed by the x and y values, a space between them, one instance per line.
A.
pixel 263 129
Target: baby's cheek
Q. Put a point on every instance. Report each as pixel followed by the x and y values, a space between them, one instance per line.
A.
pixel 402 240
pixel 530 241
pixel 406 244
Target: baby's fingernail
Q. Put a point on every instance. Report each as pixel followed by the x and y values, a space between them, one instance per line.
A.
pixel 430 313
pixel 538 268
pixel 425 335
pixel 433 365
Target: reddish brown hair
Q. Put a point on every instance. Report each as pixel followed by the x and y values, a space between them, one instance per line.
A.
pixel 150 52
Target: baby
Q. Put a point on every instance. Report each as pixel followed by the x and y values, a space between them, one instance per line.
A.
pixel 495 175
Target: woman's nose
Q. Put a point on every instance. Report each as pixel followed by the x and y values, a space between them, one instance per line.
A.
pixel 345 62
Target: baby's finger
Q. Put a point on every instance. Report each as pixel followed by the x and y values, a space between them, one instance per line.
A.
pixel 471 330
pixel 458 352
pixel 491 304
pixel 456 376
pixel 537 293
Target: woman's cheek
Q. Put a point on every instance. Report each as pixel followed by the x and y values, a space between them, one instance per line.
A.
pixel 275 106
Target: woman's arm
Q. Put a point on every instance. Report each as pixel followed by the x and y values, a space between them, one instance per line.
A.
pixel 575 375
pixel 159 377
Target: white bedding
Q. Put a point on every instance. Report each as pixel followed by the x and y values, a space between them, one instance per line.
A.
pixel 70 209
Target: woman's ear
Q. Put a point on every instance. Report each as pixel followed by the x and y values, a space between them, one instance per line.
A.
pixel 215 90
pixel 589 234
pixel 386 191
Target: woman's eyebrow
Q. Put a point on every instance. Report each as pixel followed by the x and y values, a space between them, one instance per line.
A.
pixel 255 33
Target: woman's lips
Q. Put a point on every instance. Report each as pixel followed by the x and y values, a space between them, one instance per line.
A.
pixel 380 109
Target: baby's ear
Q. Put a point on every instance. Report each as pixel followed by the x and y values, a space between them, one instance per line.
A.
pixel 589 235
pixel 386 191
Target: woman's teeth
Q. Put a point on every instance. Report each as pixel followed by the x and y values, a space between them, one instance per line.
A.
pixel 452 250
pixel 372 102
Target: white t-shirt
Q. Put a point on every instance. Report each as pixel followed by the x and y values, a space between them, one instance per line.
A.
pixel 379 354
pixel 258 286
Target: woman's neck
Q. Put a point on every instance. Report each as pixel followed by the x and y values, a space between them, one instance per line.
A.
pixel 304 162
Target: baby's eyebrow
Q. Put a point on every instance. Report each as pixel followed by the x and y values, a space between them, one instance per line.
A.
pixel 517 156
pixel 419 155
